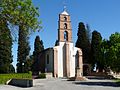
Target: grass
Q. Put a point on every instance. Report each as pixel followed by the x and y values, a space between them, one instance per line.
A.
pixel 5 77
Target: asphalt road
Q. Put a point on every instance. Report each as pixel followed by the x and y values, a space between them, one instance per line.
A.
pixel 63 84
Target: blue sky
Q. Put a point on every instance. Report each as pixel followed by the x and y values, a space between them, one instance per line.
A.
pixel 101 15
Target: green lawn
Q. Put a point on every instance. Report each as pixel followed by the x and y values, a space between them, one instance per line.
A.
pixel 6 77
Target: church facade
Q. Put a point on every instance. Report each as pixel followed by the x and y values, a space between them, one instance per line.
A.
pixel 62 60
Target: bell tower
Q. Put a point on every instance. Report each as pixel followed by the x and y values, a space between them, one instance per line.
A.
pixel 64 27
pixel 66 56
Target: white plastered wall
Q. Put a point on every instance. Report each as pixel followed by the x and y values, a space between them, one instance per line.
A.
pixel 73 60
pixel 72 54
pixel 60 58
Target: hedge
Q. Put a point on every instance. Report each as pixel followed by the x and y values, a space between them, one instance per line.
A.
pixel 42 75
pixel 5 77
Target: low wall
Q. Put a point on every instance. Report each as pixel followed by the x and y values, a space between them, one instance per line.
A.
pixel 21 82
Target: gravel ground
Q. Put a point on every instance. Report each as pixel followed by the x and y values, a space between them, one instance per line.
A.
pixel 63 84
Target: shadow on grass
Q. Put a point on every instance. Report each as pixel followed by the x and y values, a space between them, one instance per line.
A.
pixel 110 84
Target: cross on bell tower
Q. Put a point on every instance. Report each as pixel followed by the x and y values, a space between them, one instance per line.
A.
pixel 64 27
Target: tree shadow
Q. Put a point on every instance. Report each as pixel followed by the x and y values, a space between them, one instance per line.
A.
pixel 109 84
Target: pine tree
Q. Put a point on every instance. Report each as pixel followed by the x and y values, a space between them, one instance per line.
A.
pixel 23 49
pixel 83 42
pixel 5 47
pixel 38 47
pixel 96 49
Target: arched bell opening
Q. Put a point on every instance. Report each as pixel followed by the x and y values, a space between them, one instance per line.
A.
pixel 66 36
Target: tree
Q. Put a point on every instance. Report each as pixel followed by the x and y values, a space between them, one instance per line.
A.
pixel 38 47
pixel 11 69
pixel 113 53
pixel 23 14
pixel 20 12
pixel 88 31
pixel 103 51
pixel 5 47
pixel 110 50
pixel 23 51
pixel 28 63
pixel 96 49
pixel 83 42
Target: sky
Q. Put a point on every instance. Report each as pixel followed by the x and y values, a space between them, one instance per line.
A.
pixel 101 15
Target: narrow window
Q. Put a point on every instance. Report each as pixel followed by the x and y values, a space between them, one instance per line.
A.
pixel 47 59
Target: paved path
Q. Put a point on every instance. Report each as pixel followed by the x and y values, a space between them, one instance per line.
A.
pixel 63 84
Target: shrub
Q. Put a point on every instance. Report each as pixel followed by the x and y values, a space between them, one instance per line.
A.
pixel 42 75
pixel 5 77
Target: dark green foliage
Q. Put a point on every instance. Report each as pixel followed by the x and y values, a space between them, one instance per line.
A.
pixel 38 47
pixel 28 64
pixel 12 69
pixel 5 47
pixel 104 54
pixel 23 14
pixel 5 77
pixel 113 53
pixel 23 50
pixel 110 53
pixel 83 42
pixel 96 49
pixel 42 75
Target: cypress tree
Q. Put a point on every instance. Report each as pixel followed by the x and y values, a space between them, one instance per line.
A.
pixel 96 48
pixel 23 49
pixel 83 42
pixel 28 64
pixel 5 47
pixel 38 47
pixel 20 12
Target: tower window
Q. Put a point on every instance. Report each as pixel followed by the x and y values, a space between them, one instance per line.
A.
pixel 66 36
pixel 65 25
pixel 65 18
pixel 47 59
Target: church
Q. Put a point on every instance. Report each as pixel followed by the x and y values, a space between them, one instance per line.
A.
pixel 62 60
